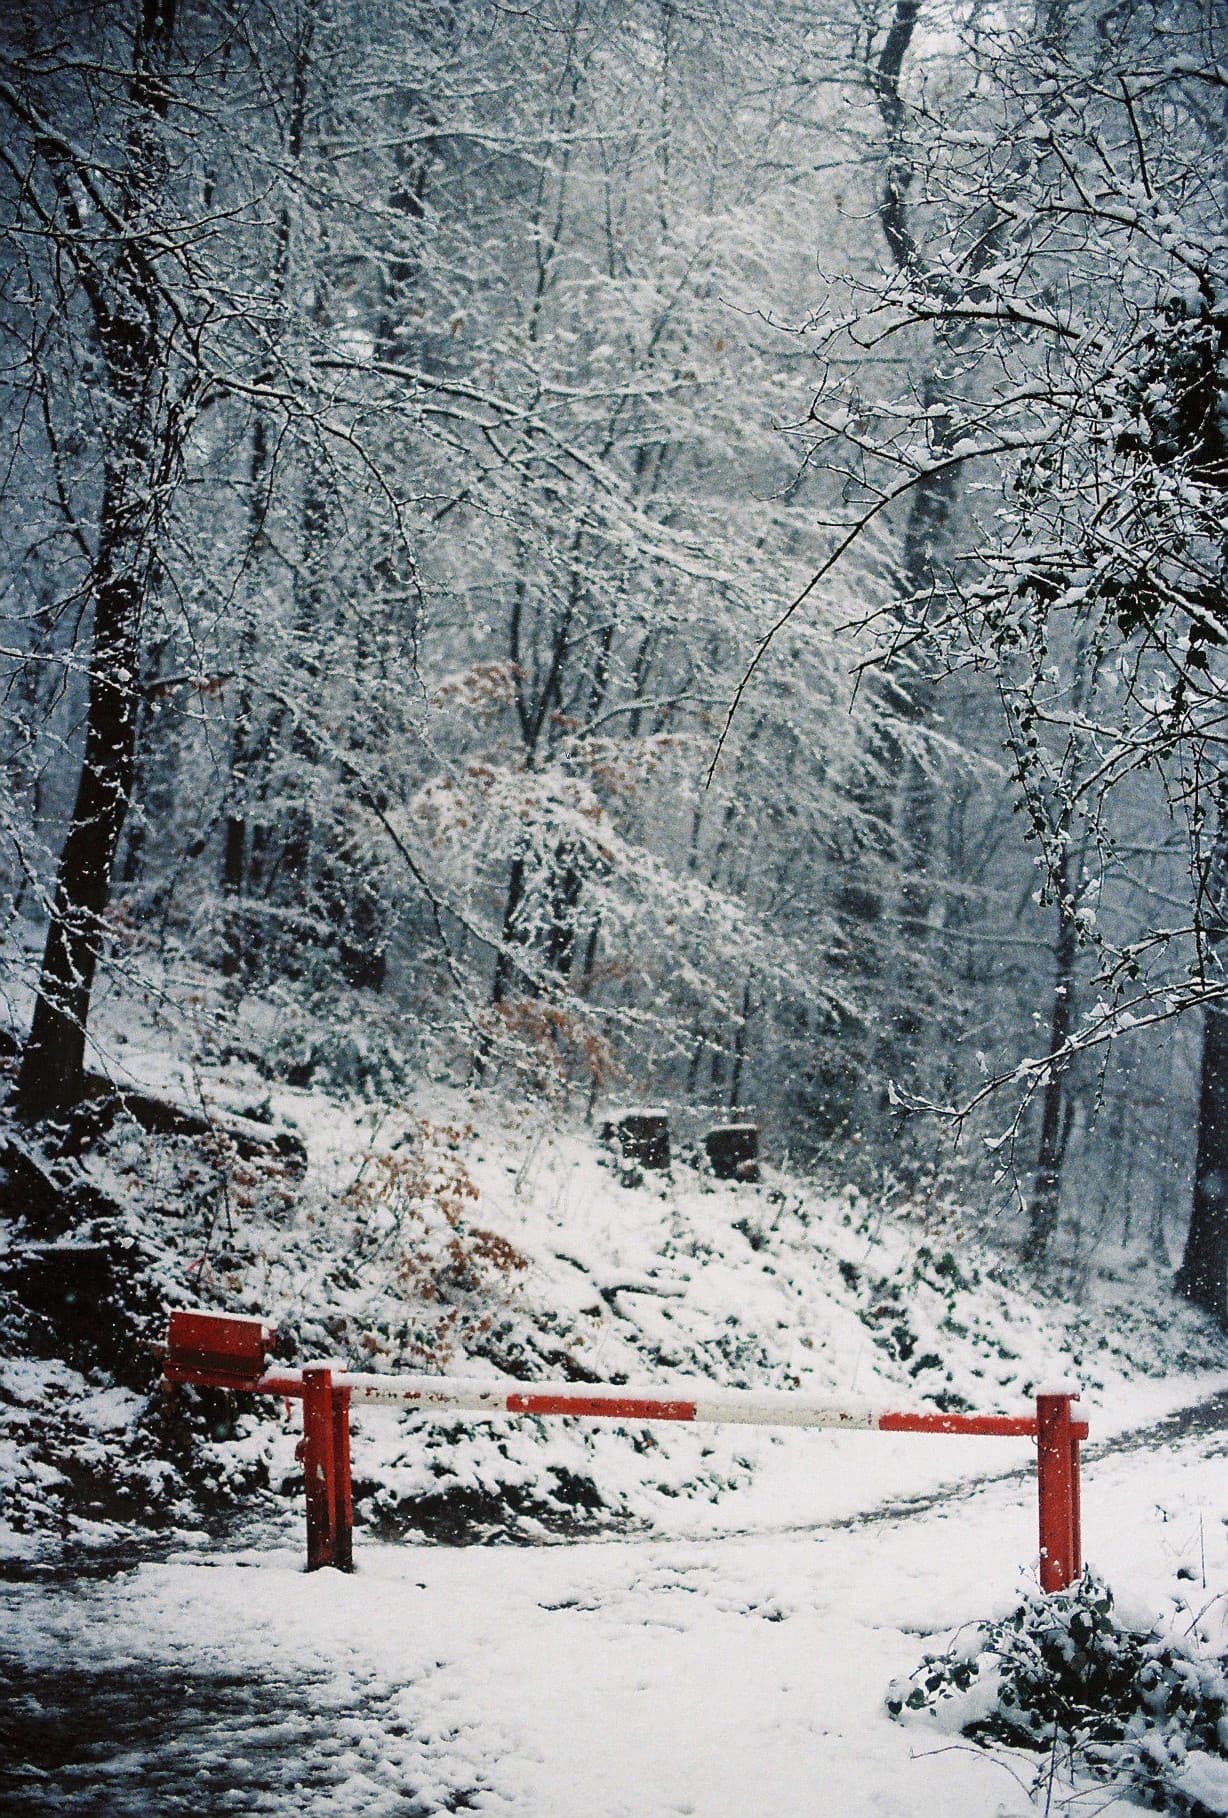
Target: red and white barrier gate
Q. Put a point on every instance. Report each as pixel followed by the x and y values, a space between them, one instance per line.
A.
pixel 216 1350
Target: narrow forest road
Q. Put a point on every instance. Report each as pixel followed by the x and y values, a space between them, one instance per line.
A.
pixel 1203 1420
pixel 724 1675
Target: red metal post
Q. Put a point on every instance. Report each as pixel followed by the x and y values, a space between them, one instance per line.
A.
pixel 1076 1508
pixel 343 1527
pixel 319 1466
pixel 1058 1492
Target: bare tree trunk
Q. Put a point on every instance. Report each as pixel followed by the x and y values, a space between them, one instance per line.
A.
pixel 913 816
pixel 236 932
pixel 1203 1276
pixel 739 1047
pixel 144 787
pixel 54 1057
pixel 249 744
pixel 138 460
pixel 566 887
pixel 898 805
pixel 505 966
pixel 1054 1123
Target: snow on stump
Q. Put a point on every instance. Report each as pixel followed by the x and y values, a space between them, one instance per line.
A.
pixel 733 1151
pixel 643 1137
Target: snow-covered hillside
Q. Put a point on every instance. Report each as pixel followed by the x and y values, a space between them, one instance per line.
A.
pixel 456 1235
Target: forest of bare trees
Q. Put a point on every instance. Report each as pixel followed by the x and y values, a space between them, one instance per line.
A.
pixel 635 550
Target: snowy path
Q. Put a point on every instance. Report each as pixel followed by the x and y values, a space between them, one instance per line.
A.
pixel 719 1677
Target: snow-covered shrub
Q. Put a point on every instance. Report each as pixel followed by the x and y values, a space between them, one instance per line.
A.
pixel 1139 1706
pixel 548 1048
pixel 412 1206
pixel 334 1044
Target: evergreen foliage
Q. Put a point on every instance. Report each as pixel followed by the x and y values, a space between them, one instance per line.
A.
pixel 1143 1708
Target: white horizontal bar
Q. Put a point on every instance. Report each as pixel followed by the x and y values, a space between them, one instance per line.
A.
pixel 444 1393
pixel 745 1407
pixel 781 1408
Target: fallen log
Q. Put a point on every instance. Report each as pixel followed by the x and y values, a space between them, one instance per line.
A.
pixel 166 1117
pixel 104 1099
pixel 51 1195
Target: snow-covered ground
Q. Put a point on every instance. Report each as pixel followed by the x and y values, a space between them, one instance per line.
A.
pixel 720 1643
pixel 725 1676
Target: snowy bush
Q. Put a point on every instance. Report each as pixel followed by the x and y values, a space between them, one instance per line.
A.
pixel 1139 1706
pixel 410 1211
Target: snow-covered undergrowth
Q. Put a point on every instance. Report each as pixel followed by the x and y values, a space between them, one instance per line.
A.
pixel 1137 1701
pixel 457 1235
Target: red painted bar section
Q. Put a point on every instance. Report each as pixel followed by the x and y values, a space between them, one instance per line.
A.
pixel 1000 1426
pixel 1004 1426
pixel 592 1406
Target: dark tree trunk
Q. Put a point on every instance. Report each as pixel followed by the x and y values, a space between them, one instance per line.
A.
pixel 590 954
pixel 1054 1124
pixel 53 1062
pixel 138 459
pixel 243 753
pixel 913 815
pixel 739 1048
pixel 361 949
pixel 245 843
pixel 147 789
pixel 234 860
pixel 505 966
pixel 1203 1276
pixel 897 800
pixel 566 886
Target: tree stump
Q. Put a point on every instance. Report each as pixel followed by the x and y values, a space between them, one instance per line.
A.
pixel 733 1151
pixel 643 1137
pixel 91 1301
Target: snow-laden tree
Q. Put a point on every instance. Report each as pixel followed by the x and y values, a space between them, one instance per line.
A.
pixel 318 314
pixel 1057 327
pixel 555 241
pixel 88 296
pixel 470 343
pixel 178 442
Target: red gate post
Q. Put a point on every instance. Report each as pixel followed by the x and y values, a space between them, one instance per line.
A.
pixel 1057 1482
pixel 319 1466
pixel 343 1493
pixel 1076 1509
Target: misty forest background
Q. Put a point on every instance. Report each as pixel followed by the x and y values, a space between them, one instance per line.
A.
pixel 634 551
